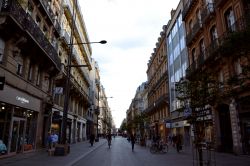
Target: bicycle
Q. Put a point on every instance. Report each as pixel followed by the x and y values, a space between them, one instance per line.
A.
pixel 158 147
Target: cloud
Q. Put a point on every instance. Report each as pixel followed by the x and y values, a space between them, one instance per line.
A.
pixel 131 28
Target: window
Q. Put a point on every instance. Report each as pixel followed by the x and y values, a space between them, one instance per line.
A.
pixel 30 73
pixel 237 67
pixel 221 77
pixel 190 25
pixel 193 55
pixel 214 36
pixel 30 8
pixel 202 47
pixel 38 77
pixel 38 20
pixel 19 68
pixel 230 20
pixel 210 5
pixel 2 45
pixel 182 43
pixel 184 67
pixel 198 15
pixel 179 20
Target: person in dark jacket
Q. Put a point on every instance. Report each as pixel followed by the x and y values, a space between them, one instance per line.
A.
pixel 91 139
pixel 132 139
pixel 178 143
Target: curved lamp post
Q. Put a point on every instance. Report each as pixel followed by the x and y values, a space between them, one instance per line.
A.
pixel 67 89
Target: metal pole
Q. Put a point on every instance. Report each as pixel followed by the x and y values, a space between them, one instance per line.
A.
pixel 97 113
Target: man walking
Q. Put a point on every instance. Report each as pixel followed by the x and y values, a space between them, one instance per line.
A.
pixel 91 139
pixel 132 139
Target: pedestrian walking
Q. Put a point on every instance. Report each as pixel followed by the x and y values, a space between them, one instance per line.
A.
pixel 178 143
pixel 132 139
pixel 54 139
pixel 49 141
pixel 91 139
pixel 109 138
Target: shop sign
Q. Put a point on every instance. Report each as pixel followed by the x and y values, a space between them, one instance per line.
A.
pixel 22 100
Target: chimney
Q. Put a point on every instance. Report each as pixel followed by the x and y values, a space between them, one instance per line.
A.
pixel 172 13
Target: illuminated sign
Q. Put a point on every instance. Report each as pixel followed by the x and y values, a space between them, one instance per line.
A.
pixel 22 100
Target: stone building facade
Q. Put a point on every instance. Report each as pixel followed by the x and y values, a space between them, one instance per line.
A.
pixel 157 88
pixel 218 44
pixel 29 63
pixel 41 40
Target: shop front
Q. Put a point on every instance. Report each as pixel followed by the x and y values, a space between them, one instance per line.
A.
pixel 181 128
pixel 18 121
pixel 81 129
pixel 56 124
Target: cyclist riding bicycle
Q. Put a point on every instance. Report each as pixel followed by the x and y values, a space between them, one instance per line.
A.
pixel 109 138
pixel 158 145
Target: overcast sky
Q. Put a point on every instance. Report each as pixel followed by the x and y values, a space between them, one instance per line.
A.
pixel 131 29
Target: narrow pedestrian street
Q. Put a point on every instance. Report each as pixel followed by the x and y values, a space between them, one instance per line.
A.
pixel 120 154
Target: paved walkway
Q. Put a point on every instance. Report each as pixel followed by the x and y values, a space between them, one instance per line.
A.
pixel 41 158
pixel 81 149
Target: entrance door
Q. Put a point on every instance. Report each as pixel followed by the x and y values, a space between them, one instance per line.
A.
pixel 17 135
pixel 226 130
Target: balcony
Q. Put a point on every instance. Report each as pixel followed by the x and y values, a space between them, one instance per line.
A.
pixel 18 14
pixel 188 7
pixel 78 90
pixel 196 65
pixel 194 32
pixel 69 11
pixel 163 100
pixel 53 18
pixel 235 38
pixel 208 13
pixel 78 62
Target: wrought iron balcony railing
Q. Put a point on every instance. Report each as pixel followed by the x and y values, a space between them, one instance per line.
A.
pixel 164 99
pixel 194 31
pixel 208 12
pixel 79 62
pixel 16 12
pixel 224 45
pixel 53 18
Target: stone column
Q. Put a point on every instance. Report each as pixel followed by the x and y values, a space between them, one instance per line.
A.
pixel 237 146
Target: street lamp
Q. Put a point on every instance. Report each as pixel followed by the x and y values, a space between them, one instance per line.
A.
pixel 101 42
pixel 67 88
